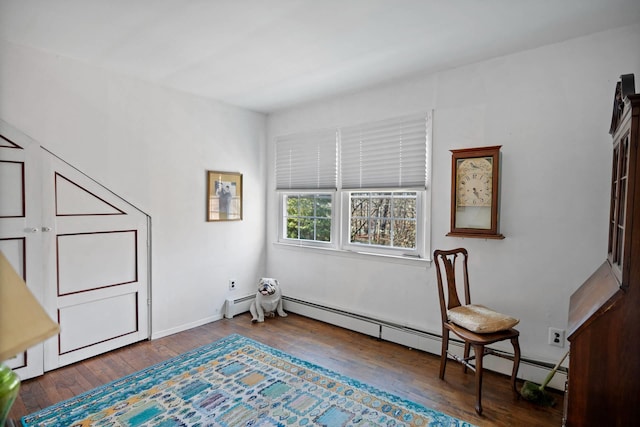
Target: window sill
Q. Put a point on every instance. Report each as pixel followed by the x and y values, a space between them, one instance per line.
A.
pixel 395 259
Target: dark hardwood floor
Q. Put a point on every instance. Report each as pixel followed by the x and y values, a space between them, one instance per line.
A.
pixel 410 374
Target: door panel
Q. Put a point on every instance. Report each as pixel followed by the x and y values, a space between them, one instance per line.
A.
pixel 72 199
pixel 90 261
pixel 14 250
pixel 98 321
pixel 11 188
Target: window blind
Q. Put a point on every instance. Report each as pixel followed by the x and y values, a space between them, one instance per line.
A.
pixel 385 154
pixel 307 161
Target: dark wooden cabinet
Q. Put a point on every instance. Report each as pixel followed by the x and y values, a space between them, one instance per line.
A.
pixel 603 386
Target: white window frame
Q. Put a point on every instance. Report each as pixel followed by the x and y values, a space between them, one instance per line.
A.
pixel 421 226
pixel 282 223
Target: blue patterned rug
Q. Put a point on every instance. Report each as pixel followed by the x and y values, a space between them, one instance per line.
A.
pixel 236 381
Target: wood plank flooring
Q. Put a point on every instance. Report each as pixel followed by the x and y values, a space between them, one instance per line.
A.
pixel 410 374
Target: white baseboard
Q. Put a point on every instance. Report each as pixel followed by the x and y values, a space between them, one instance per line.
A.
pixel 185 327
pixel 430 342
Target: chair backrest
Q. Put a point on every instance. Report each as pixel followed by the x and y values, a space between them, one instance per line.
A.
pixel 446 269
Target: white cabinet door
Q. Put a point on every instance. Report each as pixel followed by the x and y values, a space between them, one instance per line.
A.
pixel 20 226
pixel 82 250
pixel 97 257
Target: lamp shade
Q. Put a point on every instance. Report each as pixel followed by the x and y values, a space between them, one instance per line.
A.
pixel 23 321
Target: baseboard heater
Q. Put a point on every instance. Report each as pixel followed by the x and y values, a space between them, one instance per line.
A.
pixel 235 306
pixel 534 370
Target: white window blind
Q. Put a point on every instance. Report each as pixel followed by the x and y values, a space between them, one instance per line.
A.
pixel 385 154
pixel 307 161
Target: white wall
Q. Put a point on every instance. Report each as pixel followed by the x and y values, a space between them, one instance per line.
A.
pixel 550 109
pixel 152 147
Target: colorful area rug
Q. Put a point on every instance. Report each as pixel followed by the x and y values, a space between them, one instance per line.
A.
pixel 237 382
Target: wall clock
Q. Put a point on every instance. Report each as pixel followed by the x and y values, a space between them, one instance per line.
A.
pixel 475 179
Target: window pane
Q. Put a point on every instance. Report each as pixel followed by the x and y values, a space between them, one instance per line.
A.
pixel 404 234
pixel 306 206
pixel 359 230
pixel 292 228
pixel 381 232
pixel 306 229
pixel 359 206
pixel 323 207
pixel 292 206
pixel 380 207
pixel 404 207
pixel 323 230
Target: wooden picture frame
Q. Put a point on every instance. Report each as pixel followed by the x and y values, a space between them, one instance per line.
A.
pixel 475 188
pixel 224 196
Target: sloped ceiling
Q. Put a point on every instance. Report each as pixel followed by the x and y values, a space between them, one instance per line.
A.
pixel 266 55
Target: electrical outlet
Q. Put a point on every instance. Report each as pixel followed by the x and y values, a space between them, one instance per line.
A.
pixel 232 284
pixel 556 337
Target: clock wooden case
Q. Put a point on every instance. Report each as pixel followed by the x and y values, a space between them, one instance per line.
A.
pixel 475 179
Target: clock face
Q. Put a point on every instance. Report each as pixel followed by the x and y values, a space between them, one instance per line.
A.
pixel 474 181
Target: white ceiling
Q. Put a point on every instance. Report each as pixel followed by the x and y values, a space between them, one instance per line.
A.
pixel 266 55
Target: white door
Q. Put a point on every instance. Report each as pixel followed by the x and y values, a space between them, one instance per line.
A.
pixel 82 249
pixel 96 258
pixel 20 233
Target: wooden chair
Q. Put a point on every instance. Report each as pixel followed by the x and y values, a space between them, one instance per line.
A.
pixel 482 326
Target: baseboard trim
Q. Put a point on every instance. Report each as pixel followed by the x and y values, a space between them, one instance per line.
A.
pixel 185 327
pixel 431 342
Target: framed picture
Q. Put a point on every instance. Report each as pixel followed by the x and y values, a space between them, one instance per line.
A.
pixel 224 196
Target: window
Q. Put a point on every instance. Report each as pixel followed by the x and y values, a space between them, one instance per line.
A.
pixel 383 219
pixel 308 217
pixel 373 200
pixel 306 176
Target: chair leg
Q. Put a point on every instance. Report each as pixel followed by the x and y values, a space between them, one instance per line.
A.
pixel 443 356
pixel 479 354
pixel 516 363
pixel 467 347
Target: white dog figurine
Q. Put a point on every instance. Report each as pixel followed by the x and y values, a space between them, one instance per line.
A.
pixel 268 300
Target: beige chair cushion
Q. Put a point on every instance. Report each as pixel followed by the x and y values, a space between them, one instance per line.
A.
pixel 480 319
